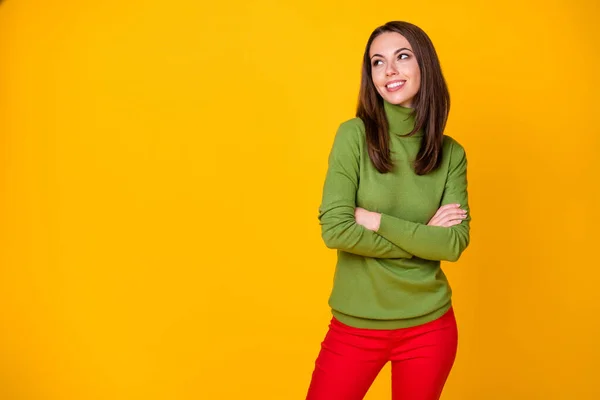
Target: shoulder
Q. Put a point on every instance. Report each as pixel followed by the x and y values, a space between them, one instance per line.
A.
pixel 455 154
pixel 351 132
pixel 352 127
pixel 453 147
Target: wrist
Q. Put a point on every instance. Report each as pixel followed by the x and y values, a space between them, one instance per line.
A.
pixel 376 221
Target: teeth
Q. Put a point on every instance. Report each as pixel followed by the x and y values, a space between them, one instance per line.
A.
pixel 395 85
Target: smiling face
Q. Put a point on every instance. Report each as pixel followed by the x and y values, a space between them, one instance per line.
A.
pixel 394 69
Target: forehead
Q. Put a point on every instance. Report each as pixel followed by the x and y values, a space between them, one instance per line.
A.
pixel 388 43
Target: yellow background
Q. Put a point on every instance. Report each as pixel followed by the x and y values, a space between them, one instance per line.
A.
pixel 162 165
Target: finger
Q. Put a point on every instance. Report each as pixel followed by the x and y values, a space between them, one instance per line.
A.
pixel 453 213
pixel 450 217
pixel 447 224
pixel 443 209
pixel 455 218
pixel 435 216
pixel 445 213
pixel 435 221
pixel 447 208
pixel 459 214
pixel 455 222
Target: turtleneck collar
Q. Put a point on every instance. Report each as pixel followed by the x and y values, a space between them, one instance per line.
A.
pixel 401 120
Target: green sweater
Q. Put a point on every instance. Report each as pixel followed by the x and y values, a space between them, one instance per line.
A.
pixel 391 278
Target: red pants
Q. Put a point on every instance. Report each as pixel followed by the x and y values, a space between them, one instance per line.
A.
pixel 350 359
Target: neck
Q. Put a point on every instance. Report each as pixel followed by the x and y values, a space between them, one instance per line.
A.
pixel 401 120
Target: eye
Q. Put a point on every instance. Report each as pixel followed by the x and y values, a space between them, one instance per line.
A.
pixel 403 56
pixel 377 62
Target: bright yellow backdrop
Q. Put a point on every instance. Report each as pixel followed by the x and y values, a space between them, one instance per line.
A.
pixel 162 165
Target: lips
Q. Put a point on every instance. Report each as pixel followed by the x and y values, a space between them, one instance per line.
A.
pixel 393 86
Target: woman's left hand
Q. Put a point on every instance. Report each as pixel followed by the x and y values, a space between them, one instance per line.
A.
pixel 368 219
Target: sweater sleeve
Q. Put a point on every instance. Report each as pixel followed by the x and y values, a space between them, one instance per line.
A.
pixel 436 242
pixel 336 212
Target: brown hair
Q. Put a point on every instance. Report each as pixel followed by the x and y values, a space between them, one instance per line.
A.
pixel 431 103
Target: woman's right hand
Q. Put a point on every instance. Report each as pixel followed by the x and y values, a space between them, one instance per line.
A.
pixel 448 215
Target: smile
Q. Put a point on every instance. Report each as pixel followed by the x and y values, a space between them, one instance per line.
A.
pixel 395 85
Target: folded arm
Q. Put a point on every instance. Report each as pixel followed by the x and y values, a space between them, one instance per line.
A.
pixel 336 212
pixel 436 242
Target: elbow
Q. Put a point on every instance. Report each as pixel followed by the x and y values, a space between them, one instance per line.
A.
pixel 335 237
pixel 329 242
pixel 331 231
pixel 453 256
pixel 458 247
pixel 330 239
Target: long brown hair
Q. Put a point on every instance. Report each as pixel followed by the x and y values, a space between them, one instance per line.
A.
pixel 431 103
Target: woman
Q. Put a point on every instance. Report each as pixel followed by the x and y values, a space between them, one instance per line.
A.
pixel 394 205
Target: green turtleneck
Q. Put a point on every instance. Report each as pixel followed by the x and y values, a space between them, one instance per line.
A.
pixel 391 278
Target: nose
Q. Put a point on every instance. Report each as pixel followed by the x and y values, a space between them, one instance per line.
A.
pixel 390 69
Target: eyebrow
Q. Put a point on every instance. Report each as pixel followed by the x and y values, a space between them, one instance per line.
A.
pixel 396 52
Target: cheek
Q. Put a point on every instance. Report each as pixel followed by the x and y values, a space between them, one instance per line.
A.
pixel 377 78
pixel 418 82
pixel 416 73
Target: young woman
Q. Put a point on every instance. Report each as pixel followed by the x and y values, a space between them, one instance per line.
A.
pixel 394 205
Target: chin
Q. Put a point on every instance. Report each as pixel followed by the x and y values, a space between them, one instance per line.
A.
pixel 399 101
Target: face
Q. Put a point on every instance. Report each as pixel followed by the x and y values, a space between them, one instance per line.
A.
pixel 394 69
